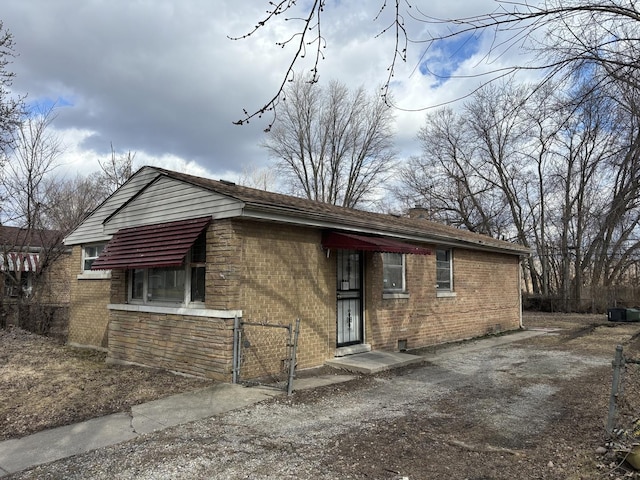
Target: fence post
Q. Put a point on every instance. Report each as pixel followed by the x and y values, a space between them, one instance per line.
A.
pixel 235 368
pixel 618 363
pixel 293 361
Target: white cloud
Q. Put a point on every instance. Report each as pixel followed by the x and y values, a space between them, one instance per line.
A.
pixel 163 80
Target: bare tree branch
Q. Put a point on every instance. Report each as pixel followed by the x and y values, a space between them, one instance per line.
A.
pixel 334 145
pixel 115 171
pixel 11 107
pixel 564 36
pixel 300 39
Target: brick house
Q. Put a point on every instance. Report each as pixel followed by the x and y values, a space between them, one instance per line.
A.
pixel 35 279
pixel 163 267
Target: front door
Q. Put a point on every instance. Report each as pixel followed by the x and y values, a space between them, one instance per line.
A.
pixel 349 295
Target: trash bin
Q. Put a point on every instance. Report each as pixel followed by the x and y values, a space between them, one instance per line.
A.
pixel 633 315
pixel 623 315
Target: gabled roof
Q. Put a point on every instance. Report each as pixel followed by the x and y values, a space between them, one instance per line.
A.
pixel 260 203
pixel 155 195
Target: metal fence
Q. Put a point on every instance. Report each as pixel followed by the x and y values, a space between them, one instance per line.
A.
pixel 265 353
pixel 623 419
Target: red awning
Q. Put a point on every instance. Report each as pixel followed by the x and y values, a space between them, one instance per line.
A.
pixel 159 245
pixel 350 241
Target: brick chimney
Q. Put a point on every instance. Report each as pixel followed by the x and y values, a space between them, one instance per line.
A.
pixel 418 211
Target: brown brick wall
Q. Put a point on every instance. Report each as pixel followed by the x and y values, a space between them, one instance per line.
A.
pixel 277 273
pixel 272 273
pixel 54 283
pixel 88 314
pixel 193 345
pixel 119 293
pixel 224 265
pixel 286 275
pixel 487 301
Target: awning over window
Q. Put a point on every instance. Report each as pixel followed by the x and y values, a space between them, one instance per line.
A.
pixel 159 245
pixel 350 241
pixel 22 262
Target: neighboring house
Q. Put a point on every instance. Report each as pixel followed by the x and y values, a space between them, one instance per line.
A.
pixel 34 267
pixel 165 264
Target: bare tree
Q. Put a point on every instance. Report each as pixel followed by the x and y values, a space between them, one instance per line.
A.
pixel 34 156
pixel 30 252
pixel 472 168
pixel 334 145
pixel 444 181
pixel 474 171
pixel 115 171
pixel 556 171
pixel 11 107
pixel 263 178
pixel 69 200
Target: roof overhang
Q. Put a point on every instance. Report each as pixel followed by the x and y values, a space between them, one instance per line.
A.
pixel 159 245
pixel 364 228
pixel 349 241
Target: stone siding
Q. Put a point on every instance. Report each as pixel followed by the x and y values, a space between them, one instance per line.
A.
pixel 193 345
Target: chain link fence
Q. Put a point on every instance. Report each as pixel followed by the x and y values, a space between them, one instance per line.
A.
pixel 623 419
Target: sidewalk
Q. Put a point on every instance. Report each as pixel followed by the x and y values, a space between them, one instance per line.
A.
pixel 62 442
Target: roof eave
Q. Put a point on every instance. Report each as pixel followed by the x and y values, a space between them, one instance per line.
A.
pixel 312 219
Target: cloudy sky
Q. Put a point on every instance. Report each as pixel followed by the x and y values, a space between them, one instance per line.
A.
pixel 162 79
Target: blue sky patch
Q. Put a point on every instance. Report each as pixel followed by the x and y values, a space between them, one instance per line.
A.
pixel 445 56
pixel 45 104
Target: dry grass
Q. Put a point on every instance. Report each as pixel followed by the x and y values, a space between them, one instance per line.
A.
pixel 44 384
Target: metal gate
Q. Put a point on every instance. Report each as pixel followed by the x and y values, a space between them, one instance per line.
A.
pixel 265 352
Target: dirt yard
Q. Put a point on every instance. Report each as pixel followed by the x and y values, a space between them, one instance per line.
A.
pixel 529 409
pixel 44 384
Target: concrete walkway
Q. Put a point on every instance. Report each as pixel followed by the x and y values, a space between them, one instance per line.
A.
pixel 50 445
pixel 374 362
pixel 62 442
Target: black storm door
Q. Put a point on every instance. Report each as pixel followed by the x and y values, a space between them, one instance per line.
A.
pixel 349 297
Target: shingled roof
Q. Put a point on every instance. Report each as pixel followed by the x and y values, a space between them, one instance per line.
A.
pixel 403 227
pixel 22 238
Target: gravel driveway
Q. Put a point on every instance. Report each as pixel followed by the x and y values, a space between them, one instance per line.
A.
pixel 529 409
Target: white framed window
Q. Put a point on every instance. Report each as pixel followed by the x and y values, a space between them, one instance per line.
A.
pixel 444 270
pixel 89 254
pixel 393 276
pixel 182 285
